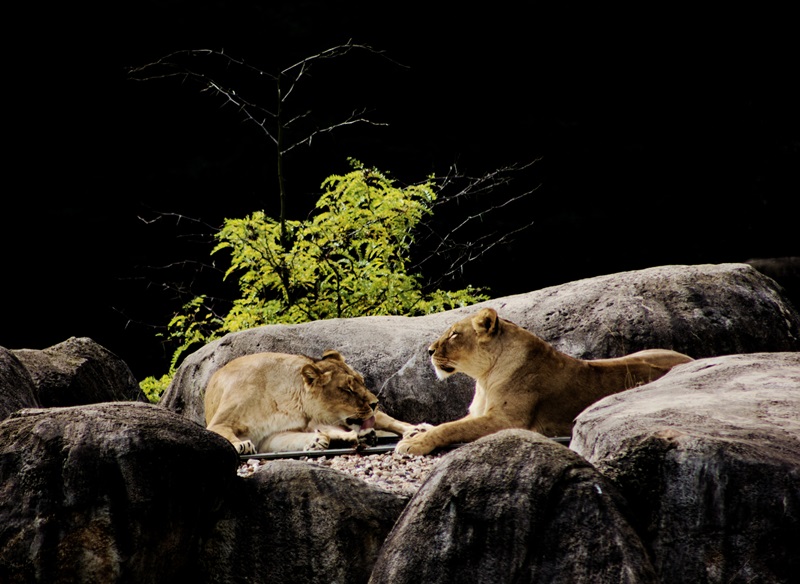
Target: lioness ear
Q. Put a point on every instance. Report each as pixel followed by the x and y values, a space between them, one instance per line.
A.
pixel 312 375
pixel 485 322
pixel 331 354
pixel 309 373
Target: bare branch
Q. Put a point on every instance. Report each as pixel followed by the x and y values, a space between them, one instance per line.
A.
pixel 179 217
pixel 270 123
pixel 171 66
pixel 335 52
pixel 171 61
pixel 353 119
pixel 452 252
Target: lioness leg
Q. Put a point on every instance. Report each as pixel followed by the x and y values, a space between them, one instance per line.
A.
pixel 384 421
pixel 243 445
pixel 295 441
pixel 463 430
pixel 317 439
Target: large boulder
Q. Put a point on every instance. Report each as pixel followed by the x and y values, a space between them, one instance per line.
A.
pixel 514 507
pixel 295 521
pixel 702 311
pixel 708 457
pixel 113 492
pixel 17 390
pixel 79 371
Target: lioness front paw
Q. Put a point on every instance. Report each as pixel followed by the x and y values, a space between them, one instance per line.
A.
pixel 245 447
pixel 321 441
pixel 418 429
pixel 416 444
pixel 368 438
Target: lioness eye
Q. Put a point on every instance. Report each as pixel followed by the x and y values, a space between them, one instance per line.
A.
pixel 453 335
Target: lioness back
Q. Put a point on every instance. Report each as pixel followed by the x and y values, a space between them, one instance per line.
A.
pixel 249 377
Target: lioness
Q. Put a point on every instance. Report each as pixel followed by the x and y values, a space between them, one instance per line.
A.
pixel 276 402
pixel 523 382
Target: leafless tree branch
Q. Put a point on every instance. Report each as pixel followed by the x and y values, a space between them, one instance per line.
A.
pixel 268 121
pixel 273 124
pixel 453 251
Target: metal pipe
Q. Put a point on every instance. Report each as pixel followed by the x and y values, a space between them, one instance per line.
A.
pixel 378 449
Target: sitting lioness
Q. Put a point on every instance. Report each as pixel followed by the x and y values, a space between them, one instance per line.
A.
pixel 523 382
pixel 275 402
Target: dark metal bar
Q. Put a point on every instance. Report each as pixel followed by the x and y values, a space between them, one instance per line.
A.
pixel 378 449
pixel 318 453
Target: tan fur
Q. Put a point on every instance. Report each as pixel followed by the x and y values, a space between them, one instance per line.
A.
pixel 522 381
pixel 275 402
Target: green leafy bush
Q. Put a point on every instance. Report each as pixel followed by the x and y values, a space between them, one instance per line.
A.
pixel 154 387
pixel 349 259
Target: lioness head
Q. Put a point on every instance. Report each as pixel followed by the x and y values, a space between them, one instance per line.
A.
pixel 466 346
pixel 340 393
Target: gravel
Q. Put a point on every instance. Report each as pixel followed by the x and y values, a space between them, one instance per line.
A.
pixel 401 474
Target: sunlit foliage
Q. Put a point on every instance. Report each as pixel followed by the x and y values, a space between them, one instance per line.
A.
pixel 350 258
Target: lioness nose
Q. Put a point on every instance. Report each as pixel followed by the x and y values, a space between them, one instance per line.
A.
pixel 430 351
pixel 374 405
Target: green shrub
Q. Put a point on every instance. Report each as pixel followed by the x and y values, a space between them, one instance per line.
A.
pixel 154 388
pixel 349 259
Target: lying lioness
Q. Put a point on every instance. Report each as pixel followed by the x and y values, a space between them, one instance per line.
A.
pixel 523 382
pixel 275 402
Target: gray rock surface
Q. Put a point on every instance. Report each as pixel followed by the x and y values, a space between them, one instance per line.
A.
pixel 79 371
pixel 514 507
pixel 17 390
pixel 299 522
pixel 113 492
pixel 708 457
pixel 785 271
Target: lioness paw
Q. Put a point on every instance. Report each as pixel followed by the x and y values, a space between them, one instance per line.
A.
pixel 414 445
pixel 368 438
pixel 321 441
pixel 245 447
pixel 418 429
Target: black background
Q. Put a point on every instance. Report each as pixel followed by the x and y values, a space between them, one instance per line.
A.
pixel 666 135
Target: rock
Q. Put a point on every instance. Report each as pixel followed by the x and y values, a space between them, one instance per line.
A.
pixel 708 457
pixel 77 372
pixel 701 311
pixel 17 390
pixel 113 492
pixel 296 521
pixel 514 507
pixel 785 271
